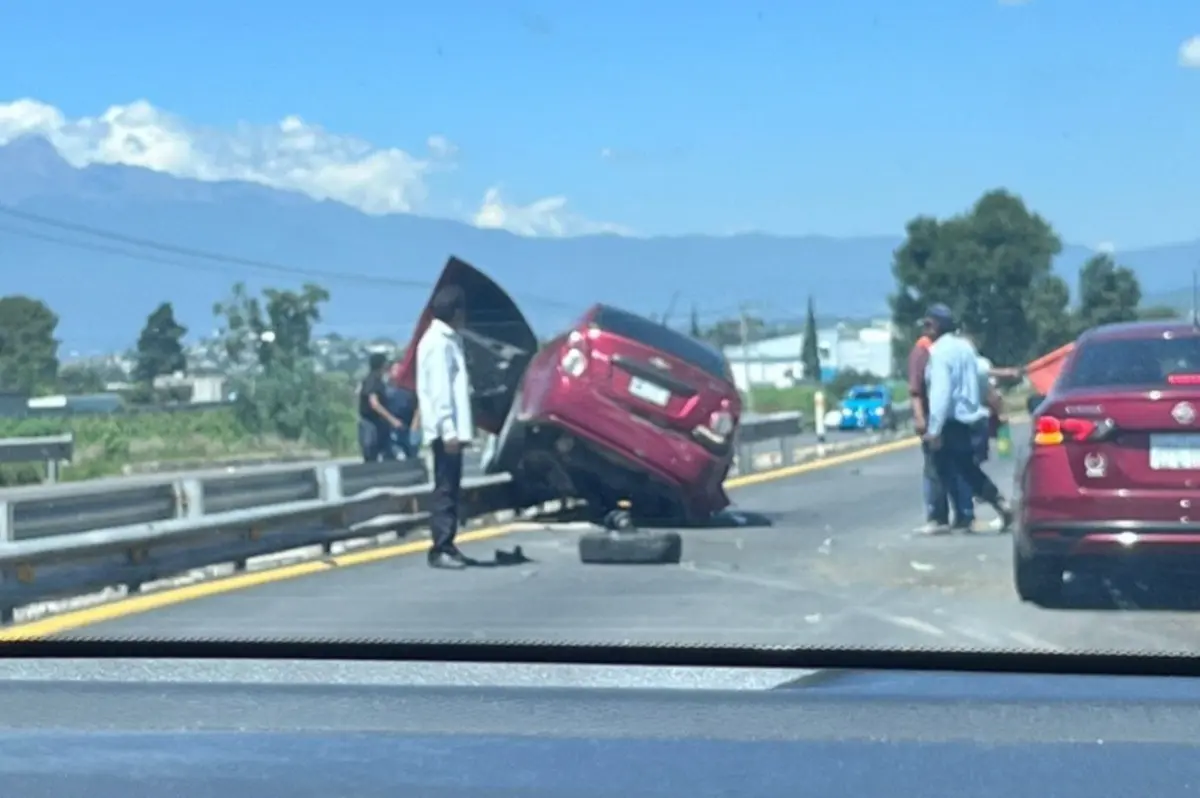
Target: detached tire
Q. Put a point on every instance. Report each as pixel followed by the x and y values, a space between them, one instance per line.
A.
pixel 631 548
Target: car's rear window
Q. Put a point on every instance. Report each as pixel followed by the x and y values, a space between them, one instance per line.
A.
pixel 866 396
pixel 1132 361
pixel 664 339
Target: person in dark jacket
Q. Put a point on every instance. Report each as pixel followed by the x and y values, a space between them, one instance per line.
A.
pixel 375 422
pixel 402 403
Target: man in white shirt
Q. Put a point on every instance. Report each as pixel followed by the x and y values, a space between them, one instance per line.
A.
pixel 444 405
pixel 957 417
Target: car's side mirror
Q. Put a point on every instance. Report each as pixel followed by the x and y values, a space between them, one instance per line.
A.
pixel 1033 402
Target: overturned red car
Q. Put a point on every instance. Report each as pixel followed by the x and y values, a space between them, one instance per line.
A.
pixel 615 409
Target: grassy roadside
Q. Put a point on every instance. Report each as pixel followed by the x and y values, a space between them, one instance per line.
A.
pixel 112 445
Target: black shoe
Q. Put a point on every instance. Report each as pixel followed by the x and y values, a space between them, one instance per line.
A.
pixel 453 553
pixel 445 559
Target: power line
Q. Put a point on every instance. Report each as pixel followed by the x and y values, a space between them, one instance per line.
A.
pixel 200 254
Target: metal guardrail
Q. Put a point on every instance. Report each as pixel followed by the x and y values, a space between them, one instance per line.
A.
pixel 53 450
pixel 84 537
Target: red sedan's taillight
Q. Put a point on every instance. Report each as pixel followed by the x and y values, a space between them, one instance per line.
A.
pixel 575 356
pixel 721 423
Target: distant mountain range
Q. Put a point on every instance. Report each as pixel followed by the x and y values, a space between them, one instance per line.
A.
pixel 381 265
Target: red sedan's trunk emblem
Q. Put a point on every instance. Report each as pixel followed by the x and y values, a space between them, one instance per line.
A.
pixel 1183 413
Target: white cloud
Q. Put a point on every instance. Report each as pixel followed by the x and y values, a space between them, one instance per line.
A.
pixel 292 154
pixel 548 217
pixel 1189 53
pixel 441 147
pixel 1106 248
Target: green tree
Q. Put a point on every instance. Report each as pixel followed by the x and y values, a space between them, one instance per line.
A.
pixel 1108 293
pixel 28 348
pixel 81 379
pixel 992 266
pixel 272 337
pixel 1055 325
pixel 274 329
pixel 728 332
pixel 810 352
pixel 160 346
pixel 1158 312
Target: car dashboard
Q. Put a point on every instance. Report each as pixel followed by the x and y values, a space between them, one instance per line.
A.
pixel 190 728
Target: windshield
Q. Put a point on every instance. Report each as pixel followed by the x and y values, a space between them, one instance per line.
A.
pixel 602 323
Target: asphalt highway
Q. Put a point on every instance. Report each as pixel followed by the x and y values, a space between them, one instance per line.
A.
pixel 829 557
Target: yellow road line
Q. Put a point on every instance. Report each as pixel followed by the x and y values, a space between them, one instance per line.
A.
pixel 74 619
pixel 122 608
pixel 817 465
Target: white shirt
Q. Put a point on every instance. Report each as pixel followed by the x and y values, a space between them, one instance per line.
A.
pixel 985 372
pixel 443 388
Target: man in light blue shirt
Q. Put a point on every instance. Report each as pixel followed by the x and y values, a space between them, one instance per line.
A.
pixel 957 416
pixel 444 406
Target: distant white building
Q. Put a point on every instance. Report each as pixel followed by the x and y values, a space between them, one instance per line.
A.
pixel 776 361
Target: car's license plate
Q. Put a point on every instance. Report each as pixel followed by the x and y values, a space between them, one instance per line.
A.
pixel 649 392
pixel 1179 452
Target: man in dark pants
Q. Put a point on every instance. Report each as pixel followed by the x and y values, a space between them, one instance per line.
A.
pixel 957 415
pixel 937 505
pixel 375 422
pixel 444 405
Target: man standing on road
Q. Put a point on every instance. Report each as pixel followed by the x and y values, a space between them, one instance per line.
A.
pixel 957 413
pixel 375 421
pixel 444 406
pixel 937 505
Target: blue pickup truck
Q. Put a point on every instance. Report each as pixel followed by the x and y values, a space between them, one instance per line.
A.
pixel 867 407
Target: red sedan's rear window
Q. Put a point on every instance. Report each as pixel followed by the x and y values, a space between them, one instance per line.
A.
pixel 664 339
pixel 1130 362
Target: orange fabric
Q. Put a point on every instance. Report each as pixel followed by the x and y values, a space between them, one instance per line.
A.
pixel 924 342
pixel 1043 372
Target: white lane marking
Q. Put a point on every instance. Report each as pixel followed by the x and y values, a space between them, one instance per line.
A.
pixel 898 620
pixel 914 624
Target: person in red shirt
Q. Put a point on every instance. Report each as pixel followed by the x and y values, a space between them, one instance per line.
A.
pixel 937 503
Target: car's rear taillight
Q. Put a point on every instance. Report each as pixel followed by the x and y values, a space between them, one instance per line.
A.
pixel 1052 431
pixel 721 423
pixel 1183 379
pixel 574 362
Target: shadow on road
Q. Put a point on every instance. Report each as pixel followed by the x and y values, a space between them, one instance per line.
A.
pixel 1136 588
pixel 502 559
pixel 727 519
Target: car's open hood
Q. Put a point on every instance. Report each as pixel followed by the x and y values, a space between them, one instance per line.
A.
pixel 498 342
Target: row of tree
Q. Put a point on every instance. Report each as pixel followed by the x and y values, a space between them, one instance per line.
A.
pixel 267 340
pixel 993 266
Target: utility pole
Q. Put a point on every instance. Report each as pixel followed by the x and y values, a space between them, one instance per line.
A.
pixel 744 325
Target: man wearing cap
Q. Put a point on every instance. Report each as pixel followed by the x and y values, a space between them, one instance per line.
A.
pixel 956 414
pixel 937 505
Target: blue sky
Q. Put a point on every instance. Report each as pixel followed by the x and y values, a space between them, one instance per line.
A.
pixel 790 117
